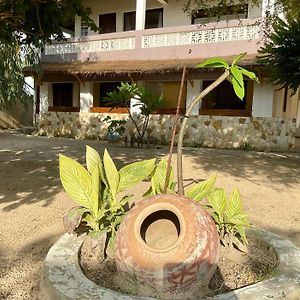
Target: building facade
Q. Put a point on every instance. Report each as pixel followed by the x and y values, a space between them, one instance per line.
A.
pixel 150 42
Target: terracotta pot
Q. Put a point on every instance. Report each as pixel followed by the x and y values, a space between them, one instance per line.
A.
pixel 168 242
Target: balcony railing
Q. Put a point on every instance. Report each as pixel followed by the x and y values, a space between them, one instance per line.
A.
pixel 112 46
pixel 215 35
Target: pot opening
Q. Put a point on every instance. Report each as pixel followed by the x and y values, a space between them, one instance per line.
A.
pixel 160 230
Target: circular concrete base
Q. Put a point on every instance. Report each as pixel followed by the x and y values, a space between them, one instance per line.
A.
pixel 62 277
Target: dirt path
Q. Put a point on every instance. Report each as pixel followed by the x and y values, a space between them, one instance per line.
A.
pixel 32 202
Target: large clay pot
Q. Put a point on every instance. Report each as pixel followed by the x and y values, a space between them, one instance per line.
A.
pixel 168 242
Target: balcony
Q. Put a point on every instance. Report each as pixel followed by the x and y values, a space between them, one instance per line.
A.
pixel 184 42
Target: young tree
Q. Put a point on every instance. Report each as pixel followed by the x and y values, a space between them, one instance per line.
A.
pixel 281 55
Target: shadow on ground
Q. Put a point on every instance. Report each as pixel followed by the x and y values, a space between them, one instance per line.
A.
pixel 276 168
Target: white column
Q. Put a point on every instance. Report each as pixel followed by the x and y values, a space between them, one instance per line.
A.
pixel 86 96
pixel 192 92
pixel 76 94
pixel 44 95
pixel 268 6
pixel 262 105
pixel 134 109
pixel 140 14
pixel 77 21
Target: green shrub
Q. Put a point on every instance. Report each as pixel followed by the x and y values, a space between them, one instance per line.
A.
pixel 96 189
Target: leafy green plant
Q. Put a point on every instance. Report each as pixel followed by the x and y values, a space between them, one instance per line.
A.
pixel 96 189
pixel 115 126
pixel 229 217
pixel 147 103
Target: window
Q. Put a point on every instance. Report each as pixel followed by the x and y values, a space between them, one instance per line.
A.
pixel 129 21
pixel 170 91
pixel 153 19
pixel 223 101
pixel 107 23
pixel 155 87
pixel 62 94
pixel 100 91
pixel 215 14
pixel 105 88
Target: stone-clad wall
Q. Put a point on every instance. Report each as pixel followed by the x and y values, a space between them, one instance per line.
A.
pixel 206 131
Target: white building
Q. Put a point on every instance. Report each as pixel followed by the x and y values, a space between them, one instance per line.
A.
pixel 150 42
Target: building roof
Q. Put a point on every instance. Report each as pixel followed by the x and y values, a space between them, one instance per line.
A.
pixel 129 66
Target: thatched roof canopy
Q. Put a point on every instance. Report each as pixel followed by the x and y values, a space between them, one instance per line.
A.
pixel 129 66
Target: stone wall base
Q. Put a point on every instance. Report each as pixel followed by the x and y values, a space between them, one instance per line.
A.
pixel 249 133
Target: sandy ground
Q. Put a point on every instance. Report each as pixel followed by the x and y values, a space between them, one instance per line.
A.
pixel 32 202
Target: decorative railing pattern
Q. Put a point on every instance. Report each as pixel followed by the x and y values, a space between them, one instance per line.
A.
pixel 214 35
pixel 91 46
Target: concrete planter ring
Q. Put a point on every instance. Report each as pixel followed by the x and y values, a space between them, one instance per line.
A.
pixel 62 277
pixel 168 244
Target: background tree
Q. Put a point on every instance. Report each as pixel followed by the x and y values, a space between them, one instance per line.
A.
pixel 220 8
pixel 39 20
pixel 13 88
pixel 281 55
pixel 291 8
pixel 26 25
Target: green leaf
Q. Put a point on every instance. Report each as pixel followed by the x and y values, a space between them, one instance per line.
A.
pixel 76 181
pixel 241 232
pixel 213 63
pixel 135 173
pixel 92 158
pixel 238 82
pixel 249 74
pixel 112 173
pixel 234 206
pixel 200 190
pixel 95 185
pixel 238 58
pixel 238 219
pixel 216 218
pixel 159 177
pixel 217 200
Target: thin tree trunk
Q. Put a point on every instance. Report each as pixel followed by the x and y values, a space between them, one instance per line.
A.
pixel 183 125
pixel 168 172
